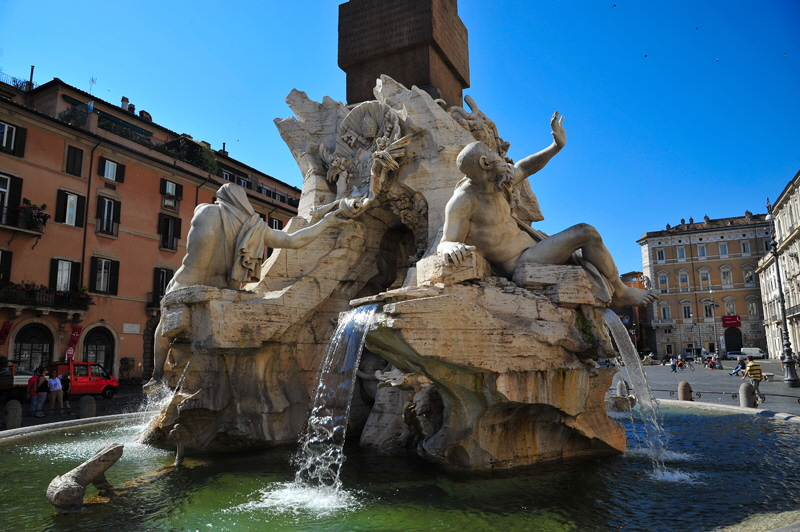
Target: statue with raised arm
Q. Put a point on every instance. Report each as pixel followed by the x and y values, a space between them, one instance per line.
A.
pixel 226 244
pixel 478 217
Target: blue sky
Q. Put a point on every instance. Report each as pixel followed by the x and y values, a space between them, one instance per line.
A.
pixel 673 109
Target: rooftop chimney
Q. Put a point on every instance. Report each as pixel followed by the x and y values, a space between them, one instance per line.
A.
pixel 124 103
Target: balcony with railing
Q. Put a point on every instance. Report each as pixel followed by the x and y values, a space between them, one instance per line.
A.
pixel 41 299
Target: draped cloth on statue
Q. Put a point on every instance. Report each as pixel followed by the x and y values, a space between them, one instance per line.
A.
pixel 243 233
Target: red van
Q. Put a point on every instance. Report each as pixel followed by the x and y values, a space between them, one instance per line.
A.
pixel 88 378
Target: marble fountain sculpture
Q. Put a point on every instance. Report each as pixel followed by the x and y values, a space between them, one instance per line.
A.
pixel 481 352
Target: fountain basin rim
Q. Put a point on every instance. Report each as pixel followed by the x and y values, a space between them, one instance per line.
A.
pixel 24 431
pixel 780 416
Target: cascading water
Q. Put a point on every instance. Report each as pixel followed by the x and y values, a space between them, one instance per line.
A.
pixel 321 454
pixel 648 406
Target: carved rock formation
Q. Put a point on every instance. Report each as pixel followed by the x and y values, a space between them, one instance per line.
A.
pixel 488 373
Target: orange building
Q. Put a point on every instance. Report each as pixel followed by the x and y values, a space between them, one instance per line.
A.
pixel 95 204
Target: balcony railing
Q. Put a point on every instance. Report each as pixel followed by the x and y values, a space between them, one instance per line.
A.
pixel 12 217
pixel 35 298
pixel 126 132
pixel 103 226
pixel 793 310
pixel 153 300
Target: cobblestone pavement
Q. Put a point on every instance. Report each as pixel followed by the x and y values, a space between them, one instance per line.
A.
pixel 717 386
pixel 126 400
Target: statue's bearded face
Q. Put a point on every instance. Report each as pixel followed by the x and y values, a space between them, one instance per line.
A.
pixel 503 172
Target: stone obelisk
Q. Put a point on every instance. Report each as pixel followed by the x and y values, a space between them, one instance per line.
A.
pixel 416 42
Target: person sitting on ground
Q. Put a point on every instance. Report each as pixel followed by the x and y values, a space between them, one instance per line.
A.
pixel 739 367
pixel 478 217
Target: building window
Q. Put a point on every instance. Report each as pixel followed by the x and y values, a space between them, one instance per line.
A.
pixel 171 195
pixel 227 176
pixel 660 255
pixel 723 250
pixel 264 190
pixel 705 280
pixel 5 267
pixel 161 279
pixel 64 275
pixel 33 346
pixel 687 310
pixel 242 182
pixel 276 224
pixel 12 139
pixel 681 254
pixel 280 197
pixel 665 313
pixel 730 308
pixel 104 276
pixel 752 308
pixel 70 208
pixel 701 251
pixel 727 277
pixel 169 229
pixel 749 275
pixel 668 348
pixel 708 309
pixel 745 248
pixel 683 282
pixel 663 285
pixel 98 346
pixel 111 170
pixel 107 216
pixel 74 161
pixel 766 246
pixel 10 198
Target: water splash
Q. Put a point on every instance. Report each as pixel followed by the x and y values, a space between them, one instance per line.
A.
pixel 295 499
pixel 648 407
pixel 321 453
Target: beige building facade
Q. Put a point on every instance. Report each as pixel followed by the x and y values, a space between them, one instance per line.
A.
pixel 786 213
pixel 710 296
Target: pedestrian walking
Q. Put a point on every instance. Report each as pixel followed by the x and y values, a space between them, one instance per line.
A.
pixel 673 365
pixel 753 370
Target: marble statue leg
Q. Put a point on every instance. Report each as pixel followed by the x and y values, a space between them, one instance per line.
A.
pixel 558 248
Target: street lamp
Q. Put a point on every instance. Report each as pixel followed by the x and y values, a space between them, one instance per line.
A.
pixel 714 307
pixel 790 374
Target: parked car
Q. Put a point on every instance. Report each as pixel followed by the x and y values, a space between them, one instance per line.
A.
pixel 733 355
pixel 88 378
pixel 754 352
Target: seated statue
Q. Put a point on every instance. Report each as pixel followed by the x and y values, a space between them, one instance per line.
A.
pixel 226 244
pixel 478 217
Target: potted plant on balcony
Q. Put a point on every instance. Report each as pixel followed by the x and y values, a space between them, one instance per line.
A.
pixel 32 216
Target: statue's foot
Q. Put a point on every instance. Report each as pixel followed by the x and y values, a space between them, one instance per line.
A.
pixel 636 297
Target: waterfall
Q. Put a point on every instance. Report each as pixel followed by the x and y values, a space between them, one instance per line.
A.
pixel 648 407
pixel 321 456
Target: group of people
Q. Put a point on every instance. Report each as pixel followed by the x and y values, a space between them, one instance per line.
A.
pixel 43 385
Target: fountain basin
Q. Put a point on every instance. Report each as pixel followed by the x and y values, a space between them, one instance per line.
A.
pixel 715 479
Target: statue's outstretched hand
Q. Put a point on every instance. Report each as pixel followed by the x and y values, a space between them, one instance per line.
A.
pixel 559 134
pixel 454 252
